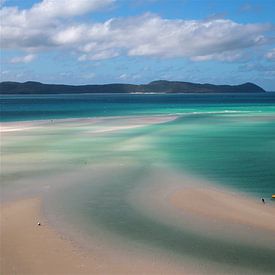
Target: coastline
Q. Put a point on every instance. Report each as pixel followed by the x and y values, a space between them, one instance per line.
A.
pixel 207 209
pixel 166 199
pixel 29 248
pixel 11 126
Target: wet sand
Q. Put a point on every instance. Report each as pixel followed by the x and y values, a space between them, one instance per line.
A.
pixel 211 213
pixel 121 123
pixel 221 206
pixel 193 204
pixel 27 248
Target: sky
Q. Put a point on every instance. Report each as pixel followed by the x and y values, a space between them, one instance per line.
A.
pixel 138 41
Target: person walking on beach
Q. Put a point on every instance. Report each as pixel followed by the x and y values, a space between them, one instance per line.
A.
pixel 263 201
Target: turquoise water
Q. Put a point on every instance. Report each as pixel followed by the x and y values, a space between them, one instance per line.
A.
pixel 32 107
pixel 238 150
pixel 228 138
pixel 105 203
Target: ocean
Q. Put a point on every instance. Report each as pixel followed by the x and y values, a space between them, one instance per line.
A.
pixel 98 177
pixel 33 107
pixel 227 138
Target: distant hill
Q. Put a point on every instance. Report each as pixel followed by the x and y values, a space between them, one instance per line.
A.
pixel 160 86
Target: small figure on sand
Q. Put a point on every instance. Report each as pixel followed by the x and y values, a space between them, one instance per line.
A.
pixel 263 201
pixel 38 223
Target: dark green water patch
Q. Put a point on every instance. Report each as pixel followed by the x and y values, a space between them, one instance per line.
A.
pixel 238 152
pixel 106 205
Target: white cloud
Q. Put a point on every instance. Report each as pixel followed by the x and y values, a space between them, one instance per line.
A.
pixel 5 72
pixel 129 77
pixel 229 56
pixel 151 35
pixel 34 28
pixel 70 35
pixel 67 8
pixel 271 55
pixel 99 55
pixel 23 59
pixel 123 76
pixel 45 26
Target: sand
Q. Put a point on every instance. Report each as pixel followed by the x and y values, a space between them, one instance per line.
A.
pixel 194 204
pixel 132 121
pixel 27 248
pixel 221 206
pixel 203 209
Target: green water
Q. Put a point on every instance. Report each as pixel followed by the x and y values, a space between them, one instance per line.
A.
pixel 231 144
pixel 228 138
pixel 105 203
pixel 238 150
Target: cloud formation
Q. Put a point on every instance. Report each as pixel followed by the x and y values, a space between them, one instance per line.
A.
pixel 23 59
pixel 34 28
pixel 66 8
pixel 48 25
pixel 271 55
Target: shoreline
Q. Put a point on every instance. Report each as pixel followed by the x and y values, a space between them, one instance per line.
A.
pixel 223 206
pixel 205 208
pixel 43 250
pixel 6 126
pixel 180 217
pixel 23 239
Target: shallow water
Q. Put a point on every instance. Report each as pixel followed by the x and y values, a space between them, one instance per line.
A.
pixel 103 203
pixel 227 139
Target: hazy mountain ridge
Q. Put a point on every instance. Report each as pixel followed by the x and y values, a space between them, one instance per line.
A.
pixel 159 86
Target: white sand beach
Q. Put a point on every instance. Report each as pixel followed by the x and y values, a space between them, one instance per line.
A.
pixel 164 196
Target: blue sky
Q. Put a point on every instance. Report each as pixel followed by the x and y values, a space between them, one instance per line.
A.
pixel 106 41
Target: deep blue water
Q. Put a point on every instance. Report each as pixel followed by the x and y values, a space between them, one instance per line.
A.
pixel 32 107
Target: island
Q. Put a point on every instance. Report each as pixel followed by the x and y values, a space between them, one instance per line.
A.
pixel 159 86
